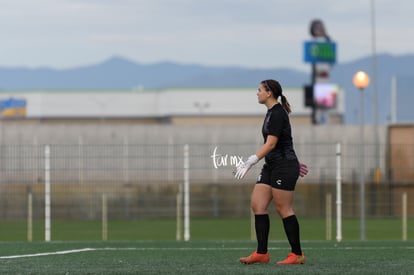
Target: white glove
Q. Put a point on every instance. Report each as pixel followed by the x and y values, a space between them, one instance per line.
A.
pixel 243 167
pixel 303 169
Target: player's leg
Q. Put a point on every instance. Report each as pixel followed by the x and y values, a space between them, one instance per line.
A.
pixel 260 200
pixel 283 200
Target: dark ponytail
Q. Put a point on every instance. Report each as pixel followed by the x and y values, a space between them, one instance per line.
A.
pixel 286 104
pixel 276 89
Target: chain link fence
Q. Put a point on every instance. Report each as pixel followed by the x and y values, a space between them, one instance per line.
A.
pixel 121 175
pixel 132 174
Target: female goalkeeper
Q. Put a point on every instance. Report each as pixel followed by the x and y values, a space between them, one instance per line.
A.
pixel 278 177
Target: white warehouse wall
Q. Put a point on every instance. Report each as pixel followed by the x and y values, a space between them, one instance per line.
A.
pixel 152 103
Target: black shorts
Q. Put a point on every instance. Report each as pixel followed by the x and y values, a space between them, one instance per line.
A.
pixel 282 175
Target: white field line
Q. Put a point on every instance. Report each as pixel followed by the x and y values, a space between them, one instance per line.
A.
pixel 89 249
pixel 47 253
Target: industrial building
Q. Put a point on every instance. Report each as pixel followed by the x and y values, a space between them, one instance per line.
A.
pixel 171 106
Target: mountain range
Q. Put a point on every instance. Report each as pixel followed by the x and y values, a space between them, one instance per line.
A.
pixel 121 73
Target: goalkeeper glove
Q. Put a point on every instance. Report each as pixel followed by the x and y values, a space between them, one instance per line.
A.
pixel 243 167
pixel 303 169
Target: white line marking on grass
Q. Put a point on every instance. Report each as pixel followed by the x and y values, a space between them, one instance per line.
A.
pixel 88 249
pixel 113 249
pixel 48 253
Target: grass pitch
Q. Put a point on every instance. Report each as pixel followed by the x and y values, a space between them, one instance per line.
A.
pixel 148 247
pixel 201 257
pixel 201 229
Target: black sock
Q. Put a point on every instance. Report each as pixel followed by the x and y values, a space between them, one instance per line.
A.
pixel 291 226
pixel 262 225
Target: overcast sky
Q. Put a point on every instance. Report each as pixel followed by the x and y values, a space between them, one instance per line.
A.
pixel 249 33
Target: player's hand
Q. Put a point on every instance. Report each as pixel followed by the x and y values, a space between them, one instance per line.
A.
pixel 303 169
pixel 243 167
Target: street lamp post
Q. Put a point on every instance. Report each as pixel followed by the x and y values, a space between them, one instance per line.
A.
pixel 361 81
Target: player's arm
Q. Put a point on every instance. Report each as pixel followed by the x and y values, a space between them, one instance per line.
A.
pixel 268 146
pixel 265 149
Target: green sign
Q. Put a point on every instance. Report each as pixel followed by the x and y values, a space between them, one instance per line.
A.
pixel 319 52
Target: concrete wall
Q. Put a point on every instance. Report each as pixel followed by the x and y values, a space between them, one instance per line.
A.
pixel 401 152
pixel 89 148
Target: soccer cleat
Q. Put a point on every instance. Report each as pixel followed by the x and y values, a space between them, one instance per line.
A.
pixel 256 258
pixel 292 258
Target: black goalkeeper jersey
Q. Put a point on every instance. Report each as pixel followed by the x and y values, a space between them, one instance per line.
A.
pixel 276 123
